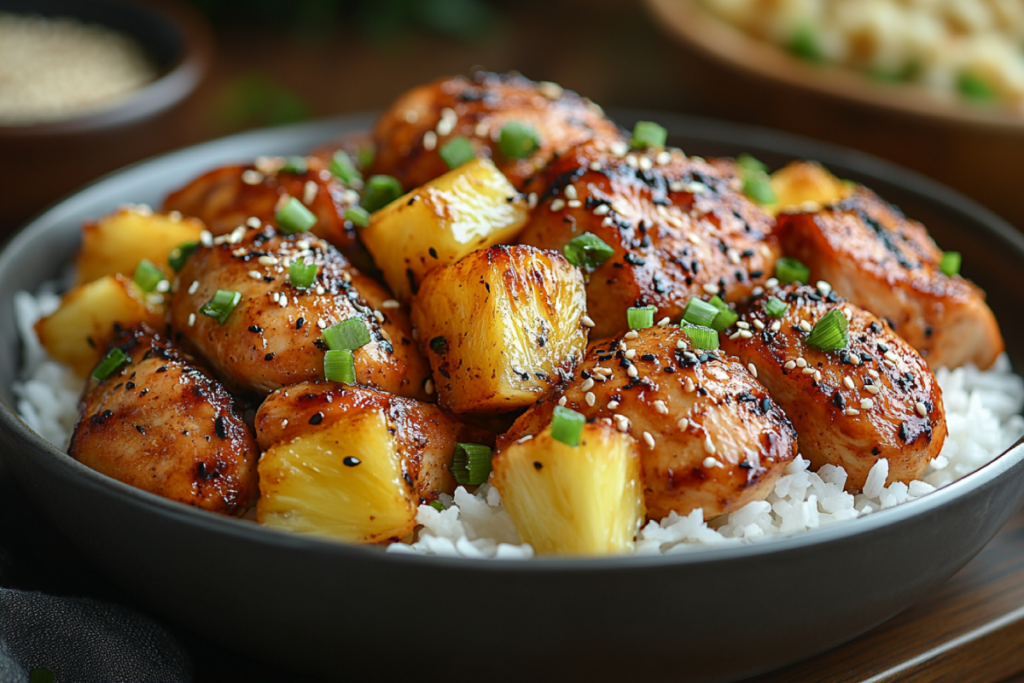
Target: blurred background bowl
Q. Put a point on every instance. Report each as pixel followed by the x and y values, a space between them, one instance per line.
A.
pixel 47 160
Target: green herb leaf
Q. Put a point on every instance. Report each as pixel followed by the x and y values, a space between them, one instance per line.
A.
pixel 566 426
pixel 805 44
pixel 587 251
pixel 830 332
pixel 517 140
pixel 976 89
pixel 294 217
pixel 340 366
pixel 350 334
pixel 648 134
pixel 380 191
pixel 221 305
pixel 457 151
pixel 471 463
pixel 114 359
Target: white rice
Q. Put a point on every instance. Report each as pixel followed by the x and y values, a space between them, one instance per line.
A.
pixel 982 415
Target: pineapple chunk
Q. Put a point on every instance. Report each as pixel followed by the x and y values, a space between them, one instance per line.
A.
pixel 90 315
pixel 471 207
pixel 117 242
pixel 805 182
pixel 565 500
pixel 501 327
pixel 343 481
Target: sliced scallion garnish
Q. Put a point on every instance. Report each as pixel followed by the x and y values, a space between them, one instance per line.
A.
pixel 804 44
pixel 648 134
pixel 301 274
pixel 437 505
pixel 221 305
pixel 471 463
pixel 950 263
pixel 517 140
pixel 114 359
pixel 756 183
pixel 566 426
pixel 147 276
pixel 178 256
pixel 587 251
pixel 699 312
pixel 703 338
pixel 294 217
pixel 380 191
pixel 359 216
pixel 295 164
pixel 726 317
pixel 975 88
pixel 342 168
pixel 775 307
pixel 366 155
pixel 349 334
pixel 340 366
pixel 640 317
pixel 457 151
pixel 830 332
pixel 789 270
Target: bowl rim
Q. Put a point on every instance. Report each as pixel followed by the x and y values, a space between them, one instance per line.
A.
pixel 787 144
pixel 173 84
pixel 692 23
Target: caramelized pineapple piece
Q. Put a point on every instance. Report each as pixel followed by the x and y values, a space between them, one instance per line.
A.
pixel 471 207
pixel 90 315
pixel 343 481
pixel 565 500
pixel 806 182
pixel 502 327
pixel 117 242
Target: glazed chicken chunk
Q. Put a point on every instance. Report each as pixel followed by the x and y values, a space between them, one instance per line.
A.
pixel 161 423
pixel 709 434
pixel 678 225
pixel 227 197
pixel 873 398
pixel 411 133
pixel 273 336
pixel 883 262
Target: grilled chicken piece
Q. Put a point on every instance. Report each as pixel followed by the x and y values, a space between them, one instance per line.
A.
pixel 272 338
pixel 679 227
pixel 871 254
pixel 710 435
pixel 412 131
pixel 874 399
pixel 162 424
pixel 227 197
pixel 425 433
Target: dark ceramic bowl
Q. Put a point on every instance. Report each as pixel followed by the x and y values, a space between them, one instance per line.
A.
pixel 356 613
pixel 57 157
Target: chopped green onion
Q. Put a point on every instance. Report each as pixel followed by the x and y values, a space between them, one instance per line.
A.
pixel 975 88
pixel 179 255
pixel 342 168
pixel 359 216
pixel 471 463
pixel 114 359
pixel 566 426
pixel 437 505
pixel 703 338
pixel 147 276
pixel 294 217
pixel 295 165
pixel 789 270
pixel 756 183
pixel 517 140
pixel 350 334
pixel 805 45
pixel 648 134
pixel 438 345
pixel 726 317
pixel 380 191
pixel 221 305
pixel 750 164
pixel 587 251
pixel 41 674
pixel 950 264
pixel 457 151
pixel 699 312
pixel 640 317
pixel 830 332
pixel 366 155
pixel 775 307
pixel 302 274
pixel 340 366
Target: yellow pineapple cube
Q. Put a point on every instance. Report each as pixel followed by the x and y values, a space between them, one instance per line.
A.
pixel 806 182
pixel 471 207
pixel 343 481
pixel 90 315
pixel 117 242
pixel 501 327
pixel 566 500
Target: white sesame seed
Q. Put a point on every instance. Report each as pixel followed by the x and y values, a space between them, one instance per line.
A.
pixel 922 410
pixel 612 405
pixel 683 424
pixel 237 235
pixel 889 363
pixel 631 354
pixel 631 371
pixel 851 411
pixel 193 287
pixel 587 321
pixel 595 165
pixel 191 319
pixel 618 148
pixel 771 283
pixel 309 192
pixel 801 363
pixel 805 326
pixel 757 291
pixel 390 303
pixel 241 251
pixel 735 335
pixel 849 383
pixel 855 359
pixel 648 439
pixel 379 316
pixel 758 324
pixel 574 204
pixel 632 162
pixel 550 90
pixel 660 406
pixel 632 334
pixel 557 204
pixel 283 301
pixel 302 244
pixel 664 322
pixel 322 324
pixel 889 355
pixel 448 120
pixel 745 334
pixel 690 355
pixel 562 401
pixel 603 371
pixel 693 239
pixel 163 286
pixel 789 365
pixel 601 209
pixel 776 326
pixel 588 384
pixel 689 385
pixel 711 288
pixel 531 200
pixel 871 388
pixel 251 177
pixel 681 344
pixel 220 239
pixel 753 369
pixel 734 258
pixel 570 192
pixel 873 373
pixel 848 313
pixel 429 140
pixel 274 296
pixel 709 446
pixel 823 287
pixel 608 222
pixel 676 186
pixel 621 422
pixel 663 158
pixel 808 371
pixel 411 116
pixel 253 222
pixel 320 289
pixel 866 404
pixel 710 463
pixel 428 386
pixel 645 163
pixel 268 260
pixel 284 423
pixel 817 375
pixel 696 188
pixel 742 325
pixel 255 275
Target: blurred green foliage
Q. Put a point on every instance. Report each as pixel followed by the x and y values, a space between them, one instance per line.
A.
pixel 254 100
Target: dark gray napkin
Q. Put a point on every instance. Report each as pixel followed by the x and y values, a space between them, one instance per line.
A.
pixel 84 641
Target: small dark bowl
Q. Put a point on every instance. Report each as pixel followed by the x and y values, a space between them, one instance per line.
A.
pixel 356 613
pixel 54 158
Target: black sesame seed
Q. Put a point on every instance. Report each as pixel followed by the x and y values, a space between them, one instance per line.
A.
pixel 351 461
pixel 256 329
pixel 129 385
pixel 269 356
pixel 903 431
pixel 316 419
pixel 648 357
pixel 537 465
pixel 220 427
pixel 299 323
pixel 162 368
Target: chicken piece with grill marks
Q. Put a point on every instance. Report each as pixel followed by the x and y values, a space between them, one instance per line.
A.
pixel 881 261
pixel 273 336
pixel 161 423
pixel 679 227
pixel 709 434
pixel 411 133
pixel 874 398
